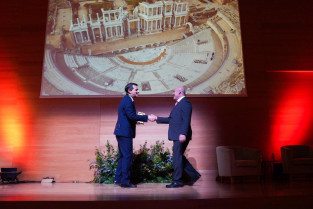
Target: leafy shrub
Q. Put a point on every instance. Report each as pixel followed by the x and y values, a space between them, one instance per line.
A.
pixel 104 166
pixel 154 164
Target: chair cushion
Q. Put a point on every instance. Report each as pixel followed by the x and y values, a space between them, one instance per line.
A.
pixel 301 151
pixel 246 163
pixel 302 161
pixel 246 154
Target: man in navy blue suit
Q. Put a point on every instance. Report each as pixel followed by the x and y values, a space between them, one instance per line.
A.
pixel 180 133
pixel 125 131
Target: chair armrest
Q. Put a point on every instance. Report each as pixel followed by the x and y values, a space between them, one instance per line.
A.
pixel 225 160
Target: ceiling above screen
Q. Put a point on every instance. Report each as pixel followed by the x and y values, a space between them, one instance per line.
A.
pixel 94 48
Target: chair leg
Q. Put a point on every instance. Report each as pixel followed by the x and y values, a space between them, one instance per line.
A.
pixel 232 179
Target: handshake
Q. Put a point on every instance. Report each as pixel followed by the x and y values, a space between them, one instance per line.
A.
pixel 152 118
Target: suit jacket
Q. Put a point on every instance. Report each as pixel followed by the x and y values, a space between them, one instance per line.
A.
pixel 127 118
pixel 179 120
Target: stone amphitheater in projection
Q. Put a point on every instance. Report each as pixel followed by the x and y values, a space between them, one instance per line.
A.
pixel 158 45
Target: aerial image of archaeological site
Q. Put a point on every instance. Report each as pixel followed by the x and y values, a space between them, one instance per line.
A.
pixel 94 48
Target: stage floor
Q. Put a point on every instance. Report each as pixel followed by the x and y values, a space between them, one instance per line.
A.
pixel 206 192
pixel 149 191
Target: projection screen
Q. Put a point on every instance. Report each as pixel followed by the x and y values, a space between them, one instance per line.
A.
pixel 94 48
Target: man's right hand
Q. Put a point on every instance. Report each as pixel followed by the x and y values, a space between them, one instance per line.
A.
pixel 152 118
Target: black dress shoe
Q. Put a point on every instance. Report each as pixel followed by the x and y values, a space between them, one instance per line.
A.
pixel 193 180
pixel 128 186
pixel 116 182
pixel 174 185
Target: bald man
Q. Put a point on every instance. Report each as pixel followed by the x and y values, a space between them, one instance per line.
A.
pixel 180 133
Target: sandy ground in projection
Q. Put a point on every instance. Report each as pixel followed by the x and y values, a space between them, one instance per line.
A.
pixel 209 62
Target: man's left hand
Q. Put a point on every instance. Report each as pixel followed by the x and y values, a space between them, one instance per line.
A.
pixel 182 138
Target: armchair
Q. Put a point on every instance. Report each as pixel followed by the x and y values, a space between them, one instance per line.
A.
pixel 297 159
pixel 235 161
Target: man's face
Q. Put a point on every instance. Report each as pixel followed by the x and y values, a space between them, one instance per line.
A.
pixel 133 93
pixel 177 94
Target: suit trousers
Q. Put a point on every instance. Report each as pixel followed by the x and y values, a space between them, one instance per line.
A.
pixel 180 162
pixel 125 148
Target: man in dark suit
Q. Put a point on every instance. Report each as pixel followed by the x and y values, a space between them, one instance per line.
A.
pixel 125 131
pixel 180 133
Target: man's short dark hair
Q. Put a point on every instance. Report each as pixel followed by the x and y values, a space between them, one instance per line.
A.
pixel 130 86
